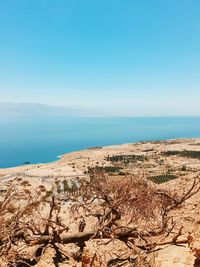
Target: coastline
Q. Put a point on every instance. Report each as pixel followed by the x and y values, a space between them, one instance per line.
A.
pixel 75 163
pixel 149 159
pixel 44 139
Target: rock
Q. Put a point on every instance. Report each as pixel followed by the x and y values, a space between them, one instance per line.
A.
pixel 176 256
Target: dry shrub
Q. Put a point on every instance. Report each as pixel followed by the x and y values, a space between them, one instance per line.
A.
pixel 124 216
pixel 134 199
pixel 24 183
pixel 17 210
pixel 42 188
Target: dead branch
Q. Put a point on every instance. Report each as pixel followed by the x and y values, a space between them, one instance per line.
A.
pixel 130 208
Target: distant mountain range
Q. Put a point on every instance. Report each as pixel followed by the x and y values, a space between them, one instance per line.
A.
pixel 33 109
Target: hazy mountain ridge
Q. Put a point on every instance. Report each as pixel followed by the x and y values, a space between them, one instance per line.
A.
pixel 31 109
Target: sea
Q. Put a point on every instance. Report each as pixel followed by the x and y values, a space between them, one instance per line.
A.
pixel 27 139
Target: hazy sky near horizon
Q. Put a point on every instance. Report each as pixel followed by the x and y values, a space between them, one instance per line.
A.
pixel 125 57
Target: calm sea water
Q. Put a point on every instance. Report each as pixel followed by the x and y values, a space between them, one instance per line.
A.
pixel 40 140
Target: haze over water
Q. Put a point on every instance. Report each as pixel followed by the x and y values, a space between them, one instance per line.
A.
pixel 43 139
pixel 102 58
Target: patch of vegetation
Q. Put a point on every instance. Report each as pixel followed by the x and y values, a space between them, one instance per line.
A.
pixel 58 187
pixel 122 173
pixel 66 187
pixel 94 147
pixel 49 193
pixel 42 188
pixel 105 169
pixel 161 162
pixel 148 150
pixel 74 186
pixel 183 168
pixel 184 153
pixel 159 179
pixel 126 158
pixel 25 183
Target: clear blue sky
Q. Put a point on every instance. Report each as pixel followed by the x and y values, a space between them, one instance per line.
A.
pixel 126 57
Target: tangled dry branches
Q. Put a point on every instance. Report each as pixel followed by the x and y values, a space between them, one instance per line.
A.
pixel 128 213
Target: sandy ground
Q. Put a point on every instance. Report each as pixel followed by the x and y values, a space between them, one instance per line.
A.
pixel 75 164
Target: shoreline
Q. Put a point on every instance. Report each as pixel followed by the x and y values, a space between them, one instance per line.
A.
pixel 44 140
pixel 59 157
pixel 76 162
